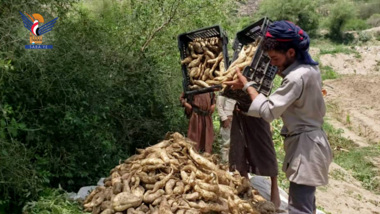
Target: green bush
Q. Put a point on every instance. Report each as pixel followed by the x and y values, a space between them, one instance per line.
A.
pixel 374 20
pixel 302 12
pixel 110 85
pixel 377 35
pixel 53 201
pixel 364 36
pixel 340 14
pixel 328 73
pixel 356 24
pixel 366 10
pixel 19 179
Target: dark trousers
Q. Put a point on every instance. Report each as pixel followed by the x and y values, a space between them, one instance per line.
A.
pixel 301 199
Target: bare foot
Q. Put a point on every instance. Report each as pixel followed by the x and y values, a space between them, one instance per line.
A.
pixel 275 199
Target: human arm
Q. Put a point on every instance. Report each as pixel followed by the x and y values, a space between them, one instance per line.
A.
pixel 272 107
pixel 212 108
pixel 241 83
pixel 184 103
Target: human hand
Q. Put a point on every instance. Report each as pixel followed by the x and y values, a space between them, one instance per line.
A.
pixel 226 123
pixel 239 82
pixel 188 108
pixel 212 109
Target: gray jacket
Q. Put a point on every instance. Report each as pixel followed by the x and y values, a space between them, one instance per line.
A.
pixel 300 104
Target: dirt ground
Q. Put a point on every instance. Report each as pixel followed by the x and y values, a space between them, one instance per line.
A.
pixel 355 101
pixel 366 63
pixel 346 195
pixel 353 105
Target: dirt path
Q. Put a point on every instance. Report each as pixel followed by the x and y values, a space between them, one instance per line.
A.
pixel 354 100
pixel 345 195
pixel 354 106
pixel 347 133
pixel 366 62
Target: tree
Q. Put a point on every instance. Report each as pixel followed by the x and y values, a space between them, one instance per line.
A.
pixel 340 14
pixel 301 12
pixel 110 85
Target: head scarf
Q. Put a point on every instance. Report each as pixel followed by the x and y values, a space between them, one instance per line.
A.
pixel 286 31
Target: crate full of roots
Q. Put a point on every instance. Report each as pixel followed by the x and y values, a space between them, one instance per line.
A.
pixel 171 177
pixel 257 67
pixel 204 59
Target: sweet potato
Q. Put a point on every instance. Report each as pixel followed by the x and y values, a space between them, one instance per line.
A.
pixel 125 200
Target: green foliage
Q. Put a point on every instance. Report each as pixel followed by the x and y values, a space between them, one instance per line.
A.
pixel 328 47
pixel 359 162
pixel 367 9
pixel 53 202
pixel 356 24
pixel 377 36
pixel 302 12
pixel 336 139
pixel 374 20
pixel 328 73
pixel 110 84
pixel 341 12
pixel 364 36
pixel 18 178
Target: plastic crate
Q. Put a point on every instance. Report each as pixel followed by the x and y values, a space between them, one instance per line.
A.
pixel 183 41
pixel 260 70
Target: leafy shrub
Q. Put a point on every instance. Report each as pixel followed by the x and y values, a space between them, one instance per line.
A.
pixel 377 35
pixel 374 20
pixel 53 201
pixel 110 85
pixel 341 13
pixel 356 24
pixel 366 10
pixel 364 36
pixel 301 12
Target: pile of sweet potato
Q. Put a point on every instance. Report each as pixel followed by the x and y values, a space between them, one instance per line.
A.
pixel 171 177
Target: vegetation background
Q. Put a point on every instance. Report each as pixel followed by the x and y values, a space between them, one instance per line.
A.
pixel 112 81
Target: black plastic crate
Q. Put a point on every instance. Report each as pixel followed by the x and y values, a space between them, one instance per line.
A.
pixel 183 41
pixel 260 69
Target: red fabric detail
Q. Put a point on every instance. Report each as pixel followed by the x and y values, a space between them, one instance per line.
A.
pixel 268 35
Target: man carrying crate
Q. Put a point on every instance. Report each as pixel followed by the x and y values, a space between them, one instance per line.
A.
pixel 300 104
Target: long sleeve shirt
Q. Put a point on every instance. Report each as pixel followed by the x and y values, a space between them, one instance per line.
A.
pixel 299 102
pixel 225 107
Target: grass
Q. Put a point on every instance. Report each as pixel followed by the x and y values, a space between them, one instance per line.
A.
pixel 321 208
pixel 338 174
pixel 339 49
pixel 53 201
pixel 357 160
pixel 327 47
pixel 328 73
pixel 337 141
